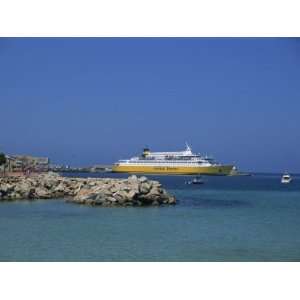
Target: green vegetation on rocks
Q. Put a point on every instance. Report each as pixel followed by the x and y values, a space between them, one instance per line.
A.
pixel 2 159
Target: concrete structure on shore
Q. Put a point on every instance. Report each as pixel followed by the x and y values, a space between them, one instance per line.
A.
pixel 69 169
pixel 101 168
pixel 21 163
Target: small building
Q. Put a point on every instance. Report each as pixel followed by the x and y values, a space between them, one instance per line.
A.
pixel 19 163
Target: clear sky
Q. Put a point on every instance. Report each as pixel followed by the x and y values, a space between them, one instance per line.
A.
pixel 87 101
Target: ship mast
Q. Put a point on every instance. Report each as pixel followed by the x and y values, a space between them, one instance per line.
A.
pixel 188 148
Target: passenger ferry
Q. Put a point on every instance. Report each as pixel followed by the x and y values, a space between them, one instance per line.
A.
pixel 178 163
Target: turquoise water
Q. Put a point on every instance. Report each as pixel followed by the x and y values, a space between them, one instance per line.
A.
pixel 226 219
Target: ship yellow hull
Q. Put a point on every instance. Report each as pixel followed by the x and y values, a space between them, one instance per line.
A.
pixel 211 170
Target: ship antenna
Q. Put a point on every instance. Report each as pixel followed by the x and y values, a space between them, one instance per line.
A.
pixel 188 148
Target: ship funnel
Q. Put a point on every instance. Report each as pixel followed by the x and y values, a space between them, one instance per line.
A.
pixel 146 151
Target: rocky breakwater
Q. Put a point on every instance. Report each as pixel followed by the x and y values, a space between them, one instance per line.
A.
pixel 133 191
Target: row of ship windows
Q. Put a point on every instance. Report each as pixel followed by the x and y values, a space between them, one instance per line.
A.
pixel 172 158
pixel 165 162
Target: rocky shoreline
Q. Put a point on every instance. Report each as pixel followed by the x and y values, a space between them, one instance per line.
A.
pixel 133 191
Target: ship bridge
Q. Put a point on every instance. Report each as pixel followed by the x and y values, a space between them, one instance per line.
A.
pixel 187 152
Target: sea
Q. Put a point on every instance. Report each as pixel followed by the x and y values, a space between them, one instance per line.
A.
pixel 226 219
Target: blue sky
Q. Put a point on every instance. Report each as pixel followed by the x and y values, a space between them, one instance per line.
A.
pixel 86 101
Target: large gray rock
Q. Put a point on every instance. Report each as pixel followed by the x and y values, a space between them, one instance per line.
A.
pixel 145 187
pixel 42 193
pixel 60 187
pixel 121 196
pixel 132 179
pixel 143 179
pixel 6 188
